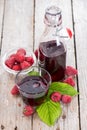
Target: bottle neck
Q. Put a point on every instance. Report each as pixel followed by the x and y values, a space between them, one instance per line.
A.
pixel 52 30
pixel 51 33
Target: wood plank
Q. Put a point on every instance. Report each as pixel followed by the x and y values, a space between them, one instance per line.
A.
pixel 18 24
pixel 80 20
pixel 70 111
pixel 18 32
pixel 1 17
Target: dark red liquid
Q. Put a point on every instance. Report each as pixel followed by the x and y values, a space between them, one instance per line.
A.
pixel 33 90
pixel 53 59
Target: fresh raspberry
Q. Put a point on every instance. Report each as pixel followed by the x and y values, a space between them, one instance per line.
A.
pixel 25 65
pixel 16 67
pixel 66 99
pixel 29 59
pixel 70 81
pixel 19 57
pixel 10 62
pixel 21 51
pixel 55 96
pixel 15 90
pixel 12 55
pixel 70 71
pixel 36 53
pixel 28 110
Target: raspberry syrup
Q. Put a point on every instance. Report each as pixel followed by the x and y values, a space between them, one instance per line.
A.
pixel 52 57
pixel 33 90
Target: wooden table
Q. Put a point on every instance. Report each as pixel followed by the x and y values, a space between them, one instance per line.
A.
pixel 21 24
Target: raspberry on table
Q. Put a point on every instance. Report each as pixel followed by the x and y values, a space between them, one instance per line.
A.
pixel 28 110
pixel 69 81
pixel 55 97
pixel 70 71
pixel 15 90
pixel 66 99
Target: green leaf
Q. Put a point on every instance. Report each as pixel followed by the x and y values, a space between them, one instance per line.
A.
pixel 63 88
pixel 33 73
pixel 49 111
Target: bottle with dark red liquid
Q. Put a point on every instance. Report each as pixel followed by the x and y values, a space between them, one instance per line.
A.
pixel 52 51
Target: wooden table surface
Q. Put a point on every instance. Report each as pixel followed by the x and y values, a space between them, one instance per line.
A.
pixel 21 24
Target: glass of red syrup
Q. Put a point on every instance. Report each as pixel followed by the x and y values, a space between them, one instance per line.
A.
pixel 33 85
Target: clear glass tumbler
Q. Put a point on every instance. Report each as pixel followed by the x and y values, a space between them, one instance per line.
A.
pixel 33 85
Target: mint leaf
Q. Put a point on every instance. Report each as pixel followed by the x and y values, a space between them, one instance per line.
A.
pixel 63 88
pixel 49 111
pixel 33 73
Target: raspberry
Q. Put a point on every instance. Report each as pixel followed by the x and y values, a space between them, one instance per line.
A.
pixel 16 67
pixel 13 55
pixel 70 81
pixel 36 53
pixel 21 51
pixel 19 57
pixel 66 99
pixel 28 110
pixel 15 90
pixel 29 59
pixel 10 62
pixel 70 71
pixel 55 96
pixel 25 65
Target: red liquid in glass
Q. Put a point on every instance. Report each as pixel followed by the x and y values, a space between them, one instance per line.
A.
pixel 33 90
pixel 53 59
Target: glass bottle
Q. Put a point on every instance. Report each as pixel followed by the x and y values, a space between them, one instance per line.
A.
pixel 52 51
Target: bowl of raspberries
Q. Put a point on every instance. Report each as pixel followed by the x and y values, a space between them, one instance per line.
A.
pixel 18 59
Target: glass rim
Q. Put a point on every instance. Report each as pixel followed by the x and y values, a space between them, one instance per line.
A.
pixel 48 83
